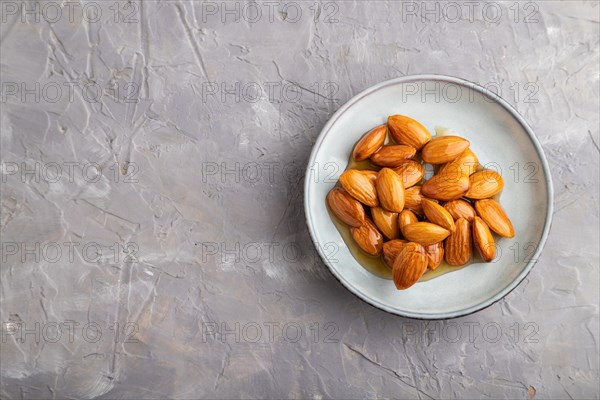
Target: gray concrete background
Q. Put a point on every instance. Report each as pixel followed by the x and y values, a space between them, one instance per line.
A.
pixel 166 202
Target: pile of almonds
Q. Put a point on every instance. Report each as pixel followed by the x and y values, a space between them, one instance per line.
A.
pixel 412 225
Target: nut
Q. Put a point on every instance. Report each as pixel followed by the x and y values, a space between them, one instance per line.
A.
pixel 484 184
pixel 438 214
pixel 460 209
pixel 413 198
pixel 410 265
pixel 458 247
pixel 405 130
pixel 345 207
pixel 360 187
pixel 406 217
pixel 386 222
pixel 368 238
pixel 391 249
pixel 392 156
pixel 435 255
pixel 443 149
pixel 483 239
pixel 390 190
pixel 411 173
pixel 425 233
pixel 369 143
pixel 446 186
pixel 494 216
pixel 465 164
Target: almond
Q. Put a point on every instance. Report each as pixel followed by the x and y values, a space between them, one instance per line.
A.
pixel 460 209
pixel 392 156
pixel 406 217
pixel 411 173
pixel 446 186
pixel 484 184
pixel 483 239
pixel 405 130
pixel 391 249
pixel 412 199
pixel 458 247
pixel 360 186
pixel 438 214
pixel 410 265
pixel 435 255
pixel 390 190
pixel 425 233
pixel 492 213
pixel 386 222
pixel 345 207
pixel 443 149
pixel 369 143
pixel 369 173
pixel 368 238
pixel 466 164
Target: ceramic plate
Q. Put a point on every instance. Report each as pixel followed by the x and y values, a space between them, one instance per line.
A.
pixel 501 139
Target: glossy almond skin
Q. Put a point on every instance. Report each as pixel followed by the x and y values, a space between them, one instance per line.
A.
pixel 391 249
pixel 392 156
pixel 413 198
pixel 484 184
pixel 368 238
pixel 438 214
pixel 483 239
pixel 386 222
pixel 446 186
pixel 369 143
pixel 411 173
pixel 458 247
pixel 405 218
pixel 435 255
pixel 460 209
pixel 405 130
pixel 466 164
pixel 409 266
pixel 360 186
pixel 346 207
pixel 390 190
pixel 369 173
pixel 492 213
pixel 425 233
pixel 443 149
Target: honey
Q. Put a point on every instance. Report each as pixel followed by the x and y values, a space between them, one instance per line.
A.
pixel 375 264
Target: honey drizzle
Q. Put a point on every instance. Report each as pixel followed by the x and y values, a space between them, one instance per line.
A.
pixel 375 264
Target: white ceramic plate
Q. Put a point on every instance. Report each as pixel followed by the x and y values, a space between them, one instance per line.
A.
pixel 501 139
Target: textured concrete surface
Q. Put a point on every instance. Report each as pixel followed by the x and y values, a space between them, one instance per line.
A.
pixel 153 237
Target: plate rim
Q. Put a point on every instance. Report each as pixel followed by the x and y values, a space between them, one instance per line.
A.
pixel 538 147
